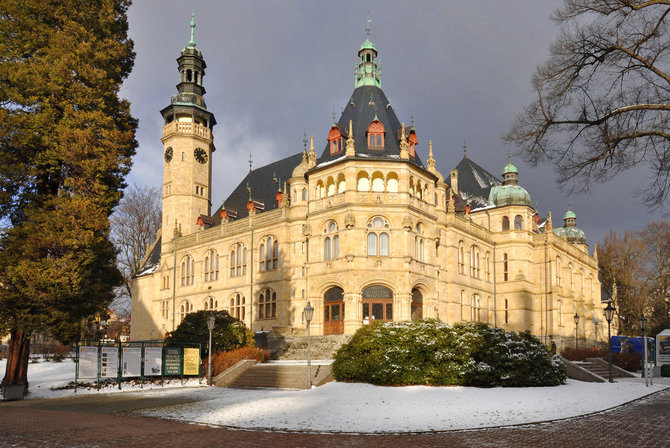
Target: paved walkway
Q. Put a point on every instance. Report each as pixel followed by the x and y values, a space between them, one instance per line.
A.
pixel 87 422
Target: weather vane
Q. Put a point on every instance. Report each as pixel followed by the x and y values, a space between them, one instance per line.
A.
pixel 251 161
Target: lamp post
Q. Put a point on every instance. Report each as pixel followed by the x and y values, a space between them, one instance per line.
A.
pixel 609 315
pixel 576 318
pixel 643 327
pixel 309 314
pixel 210 327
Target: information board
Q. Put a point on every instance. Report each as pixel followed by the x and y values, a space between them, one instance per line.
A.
pixel 88 362
pixel 109 362
pixel 152 360
pixel 132 361
pixel 191 361
pixel 172 365
pixel 663 344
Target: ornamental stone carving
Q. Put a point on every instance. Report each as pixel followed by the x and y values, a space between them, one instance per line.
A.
pixel 349 220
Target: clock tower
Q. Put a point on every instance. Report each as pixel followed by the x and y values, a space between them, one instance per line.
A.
pixel 187 148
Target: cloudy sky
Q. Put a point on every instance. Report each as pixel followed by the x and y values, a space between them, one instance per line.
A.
pixel 276 69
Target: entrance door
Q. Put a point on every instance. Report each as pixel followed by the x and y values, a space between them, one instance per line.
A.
pixel 377 304
pixel 333 311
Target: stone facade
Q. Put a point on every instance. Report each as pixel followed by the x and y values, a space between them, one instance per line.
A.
pixel 361 239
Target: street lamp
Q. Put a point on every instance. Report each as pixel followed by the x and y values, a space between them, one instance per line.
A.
pixel 210 327
pixel 643 327
pixel 309 314
pixel 609 315
pixel 576 318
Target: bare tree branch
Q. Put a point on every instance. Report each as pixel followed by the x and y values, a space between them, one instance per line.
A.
pixel 603 97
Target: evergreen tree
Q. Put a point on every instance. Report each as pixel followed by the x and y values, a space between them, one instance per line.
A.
pixel 66 143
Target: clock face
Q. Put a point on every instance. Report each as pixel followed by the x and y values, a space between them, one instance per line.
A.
pixel 168 154
pixel 200 155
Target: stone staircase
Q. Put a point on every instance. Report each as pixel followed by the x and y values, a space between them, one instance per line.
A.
pixel 595 370
pixel 295 347
pixel 282 375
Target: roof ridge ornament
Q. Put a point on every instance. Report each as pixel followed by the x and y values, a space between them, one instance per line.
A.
pixel 431 160
pixel 367 26
pixel 191 43
pixel 404 146
pixel 311 157
pixel 465 149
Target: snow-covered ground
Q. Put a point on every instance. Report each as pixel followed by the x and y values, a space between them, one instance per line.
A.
pixel 364 408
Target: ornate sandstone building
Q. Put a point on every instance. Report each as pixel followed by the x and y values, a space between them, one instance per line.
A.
pixel 365 231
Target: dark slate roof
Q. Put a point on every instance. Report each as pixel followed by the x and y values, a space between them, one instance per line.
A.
pixel 152 261
pixel 362 113
pixel 263 187
pixel 474 183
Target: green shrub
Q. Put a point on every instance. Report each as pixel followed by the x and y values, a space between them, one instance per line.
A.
pixel 432 352
pixel 228 333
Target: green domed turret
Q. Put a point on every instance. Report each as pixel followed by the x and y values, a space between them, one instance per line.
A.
pixel 570 231
pixel 510 192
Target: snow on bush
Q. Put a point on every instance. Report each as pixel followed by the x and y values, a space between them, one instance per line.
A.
pixel 435 353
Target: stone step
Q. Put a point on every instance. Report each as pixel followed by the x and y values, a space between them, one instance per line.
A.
pixel 287 376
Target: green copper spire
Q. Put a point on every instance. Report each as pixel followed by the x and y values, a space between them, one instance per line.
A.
pixel 368 71
pixel 191 43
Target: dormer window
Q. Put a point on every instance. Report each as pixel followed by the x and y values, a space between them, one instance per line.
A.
pixel 376 135
pixel 335 139
pixel 413 141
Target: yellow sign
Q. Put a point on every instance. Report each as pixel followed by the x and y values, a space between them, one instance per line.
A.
pixel 191 361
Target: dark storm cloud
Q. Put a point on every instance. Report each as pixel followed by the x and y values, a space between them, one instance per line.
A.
pixel 276 69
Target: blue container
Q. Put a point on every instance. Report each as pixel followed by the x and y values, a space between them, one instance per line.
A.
pixel 627 344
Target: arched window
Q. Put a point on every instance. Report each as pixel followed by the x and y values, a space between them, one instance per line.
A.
pixel 506 311
pixel 335 139
pixel 267 304
pixel 476 308
pixel 376 135
pixel 187 270
pixel 560 314
pixel 570 279
pixel 304 194
pixel 417 305
pixel 362 181
pixel 378 239
pixel 210 304
pixel 505 268
pixel 211 266
pixel 237 306
pixel 418 243
pixel 505 223
pixel 238 260
pixel 330 187
pixel 377 182
pixel 331 243
pixel 463 305
pixel 392 183
pixel 320 190
pixel 184 309
pixel 474 261
pixel 488 267
pixel 341 184
pixel 518 222
pixel 268 254
pixel 461 258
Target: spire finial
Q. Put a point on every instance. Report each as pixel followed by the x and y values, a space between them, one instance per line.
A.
pixel 430 146
pixel 191 43
pixel 411 118
pixel 251 161
pixel 465 149
pixel 367 26
pixel 304 141
pixel 509 156
pixel 334 115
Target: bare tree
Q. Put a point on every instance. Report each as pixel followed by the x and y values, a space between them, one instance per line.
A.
pixel 656 237
pixel 135 223
pixel 602 102
pixel 640 263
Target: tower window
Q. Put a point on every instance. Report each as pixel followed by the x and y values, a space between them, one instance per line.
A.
pixel 335 139
pixel 505 268
pixel 376 135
